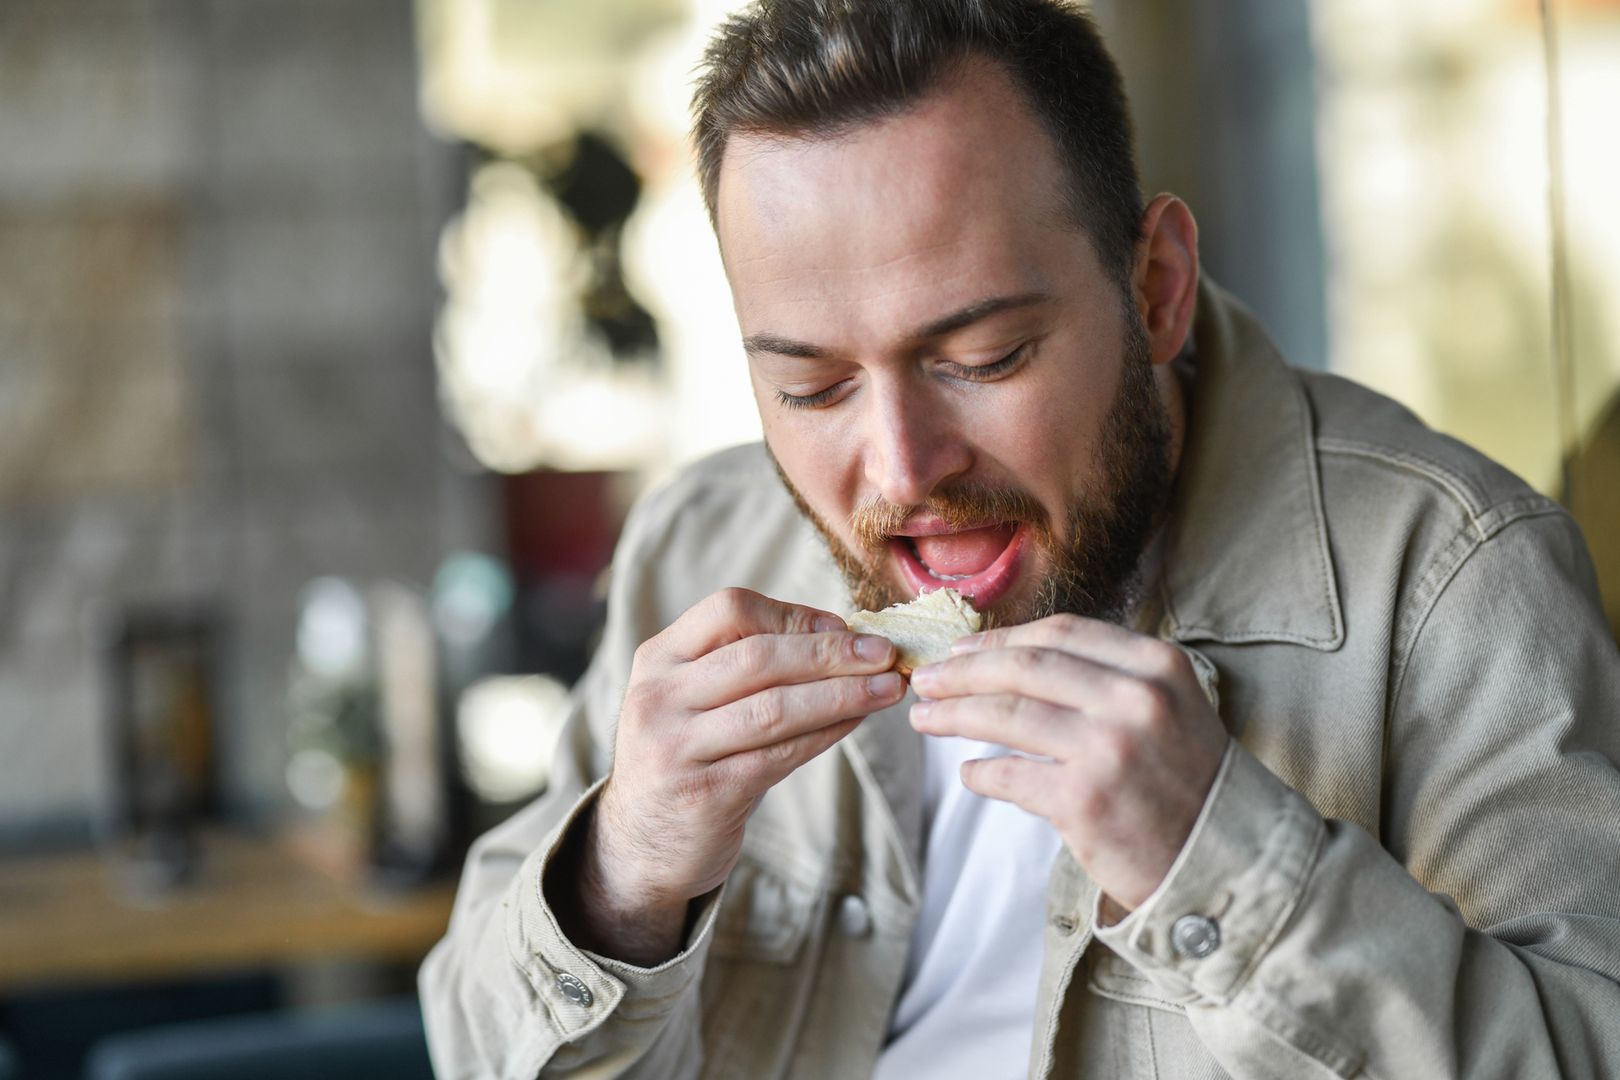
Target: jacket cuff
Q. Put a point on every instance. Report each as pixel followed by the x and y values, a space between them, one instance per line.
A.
pixel 1231 889
pixel 577 988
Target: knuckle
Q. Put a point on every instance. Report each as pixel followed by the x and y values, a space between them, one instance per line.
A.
pixel 1093 803
pixel 645 656
pixel 1114 752
pixel 730 603
pixel 1031 659
pixel 1022 711
pixel 779 756
pixel 1166 662
pixel 1148 701
pixel 766 714
pixel 750 654
pixel 827 650
pixel 1066 623
pixel 636 698
pixel 856 695
pixel 1028 708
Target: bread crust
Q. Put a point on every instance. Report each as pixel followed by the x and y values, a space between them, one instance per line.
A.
pixel 922 630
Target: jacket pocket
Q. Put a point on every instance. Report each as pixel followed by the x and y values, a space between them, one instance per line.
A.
pixel 1110 976
pixel 764 915
pixel 757 984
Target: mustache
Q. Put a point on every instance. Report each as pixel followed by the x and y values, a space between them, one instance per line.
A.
pixel 875 522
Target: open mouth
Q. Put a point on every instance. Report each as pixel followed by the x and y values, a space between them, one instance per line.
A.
pixel 981 563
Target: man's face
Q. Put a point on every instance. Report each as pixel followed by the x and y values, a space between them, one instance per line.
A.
pixel 952 387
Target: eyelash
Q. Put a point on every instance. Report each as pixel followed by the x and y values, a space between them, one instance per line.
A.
pixel 980 373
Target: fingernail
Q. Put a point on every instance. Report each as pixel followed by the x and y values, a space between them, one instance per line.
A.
pixel 924 677
pixel 871 647
pixel 919 713
pixel 886 685
pixel 967 644
pixel 826 624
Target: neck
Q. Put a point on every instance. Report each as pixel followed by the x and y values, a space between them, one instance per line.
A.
pixel 1173 394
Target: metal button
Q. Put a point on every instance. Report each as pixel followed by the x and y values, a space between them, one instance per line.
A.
pixel 575 991
pixel 1195 935
pixel 854 917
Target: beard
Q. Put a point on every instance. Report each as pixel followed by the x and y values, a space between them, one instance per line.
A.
pixel 1092 567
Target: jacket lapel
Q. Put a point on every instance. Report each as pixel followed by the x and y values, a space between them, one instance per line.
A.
pixel 1248 556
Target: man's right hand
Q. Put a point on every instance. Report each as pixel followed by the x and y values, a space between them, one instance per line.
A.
pixel 721 706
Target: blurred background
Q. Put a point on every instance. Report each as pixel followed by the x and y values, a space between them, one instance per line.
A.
pixel 337 335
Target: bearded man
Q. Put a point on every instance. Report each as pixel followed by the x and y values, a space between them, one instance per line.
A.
pixel 1290 751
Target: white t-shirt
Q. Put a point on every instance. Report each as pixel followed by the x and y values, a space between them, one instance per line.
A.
pixel 968 1007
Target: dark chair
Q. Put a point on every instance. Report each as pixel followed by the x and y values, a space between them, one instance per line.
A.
pixel 383 1039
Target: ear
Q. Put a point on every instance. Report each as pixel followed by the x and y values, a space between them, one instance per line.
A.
pixel 1165 280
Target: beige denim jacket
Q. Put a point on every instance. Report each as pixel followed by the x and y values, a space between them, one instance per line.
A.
pixel 1409 865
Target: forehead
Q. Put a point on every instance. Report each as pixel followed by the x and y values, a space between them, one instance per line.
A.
pixel 958 195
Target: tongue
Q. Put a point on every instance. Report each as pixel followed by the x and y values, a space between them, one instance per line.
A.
pixel 963 552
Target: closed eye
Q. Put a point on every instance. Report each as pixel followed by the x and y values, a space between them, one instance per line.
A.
pixel 809 401
pixel 970 372
pixel 993 370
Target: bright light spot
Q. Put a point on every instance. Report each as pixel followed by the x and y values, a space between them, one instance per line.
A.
pixel 507 727
pixel 315 779
pixel 673 263
pixel 470 594
pixel 525 380
pixel 332 629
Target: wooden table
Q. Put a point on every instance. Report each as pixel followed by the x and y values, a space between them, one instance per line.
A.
pixel 254 903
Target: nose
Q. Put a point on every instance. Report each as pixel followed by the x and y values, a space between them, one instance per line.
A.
pixel 913 443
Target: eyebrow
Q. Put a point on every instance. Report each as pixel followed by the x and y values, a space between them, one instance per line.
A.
pixel 948 324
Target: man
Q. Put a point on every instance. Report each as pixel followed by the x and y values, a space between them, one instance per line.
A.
pixel 1291 752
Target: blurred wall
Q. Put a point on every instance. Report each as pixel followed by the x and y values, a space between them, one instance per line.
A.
pixel 217 230
pixel 1223 97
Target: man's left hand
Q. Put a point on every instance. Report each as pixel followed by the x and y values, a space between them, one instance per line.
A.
pixel 1131 744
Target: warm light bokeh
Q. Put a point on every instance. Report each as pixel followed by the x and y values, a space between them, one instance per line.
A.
pixel 1434 147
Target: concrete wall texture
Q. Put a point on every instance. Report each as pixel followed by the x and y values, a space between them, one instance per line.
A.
pixel 217 229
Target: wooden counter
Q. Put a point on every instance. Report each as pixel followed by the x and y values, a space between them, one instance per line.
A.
pixel 253 903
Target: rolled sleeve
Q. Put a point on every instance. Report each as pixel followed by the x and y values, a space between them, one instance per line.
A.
pixel 1236 881
pixel 549 960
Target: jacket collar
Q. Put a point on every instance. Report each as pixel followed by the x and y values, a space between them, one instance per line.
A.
pixel 1247 557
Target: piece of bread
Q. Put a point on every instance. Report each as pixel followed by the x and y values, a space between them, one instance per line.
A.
pixel 922 631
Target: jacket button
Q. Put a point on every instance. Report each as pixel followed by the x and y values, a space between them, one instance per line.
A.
pixel 575 991
pixel 1195 935
pixel 854 917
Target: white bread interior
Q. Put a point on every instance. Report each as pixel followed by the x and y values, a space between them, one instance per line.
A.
pixel 922 631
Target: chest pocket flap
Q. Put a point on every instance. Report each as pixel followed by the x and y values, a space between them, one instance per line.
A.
pixel 1111 976
pixel 765 915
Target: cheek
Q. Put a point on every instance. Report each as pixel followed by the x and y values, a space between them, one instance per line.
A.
pixel 818 459
pixel 1042 439
pixel 1038 434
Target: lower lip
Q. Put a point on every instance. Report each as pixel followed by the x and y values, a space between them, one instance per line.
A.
pixel 983 588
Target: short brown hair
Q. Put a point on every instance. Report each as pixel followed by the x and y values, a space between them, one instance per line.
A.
pixel 820 67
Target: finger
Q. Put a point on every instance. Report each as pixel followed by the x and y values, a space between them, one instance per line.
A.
pixel 1106 642
pixel 782 713
pixel 762 768
pixel 1050 675
pixel 1010 720
pixel 1033 785
pixel 762 661
pixel 733 614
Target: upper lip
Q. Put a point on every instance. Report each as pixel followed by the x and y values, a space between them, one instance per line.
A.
pixel 932 525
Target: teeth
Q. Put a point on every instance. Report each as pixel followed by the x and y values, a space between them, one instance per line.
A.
pixel 925 566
